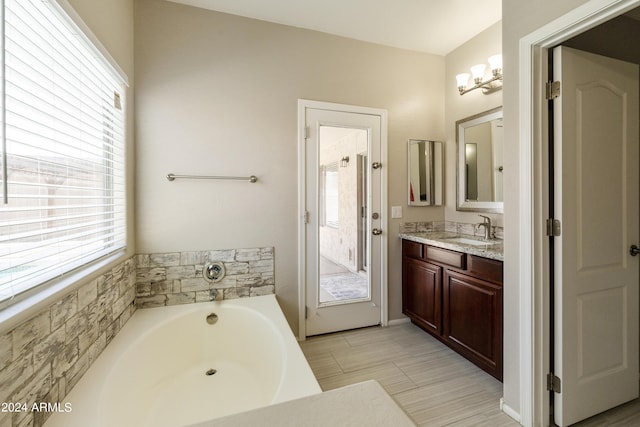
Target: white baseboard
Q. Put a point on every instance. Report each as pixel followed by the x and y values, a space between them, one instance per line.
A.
pixel 401 321
pixel 508 410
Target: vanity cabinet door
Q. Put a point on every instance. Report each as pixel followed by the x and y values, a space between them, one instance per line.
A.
pixel 422 294
pixel 472 320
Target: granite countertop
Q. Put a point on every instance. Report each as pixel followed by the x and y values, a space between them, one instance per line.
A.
pixel 494 249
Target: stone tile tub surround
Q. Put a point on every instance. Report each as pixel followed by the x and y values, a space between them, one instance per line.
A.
pixel 176 277
pixel 42 358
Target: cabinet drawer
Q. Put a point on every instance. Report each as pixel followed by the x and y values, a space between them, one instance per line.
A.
pixel 486 268
pixel 412 249
pixel 445 256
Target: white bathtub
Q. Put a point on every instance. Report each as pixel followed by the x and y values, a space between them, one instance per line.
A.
pixel 154 371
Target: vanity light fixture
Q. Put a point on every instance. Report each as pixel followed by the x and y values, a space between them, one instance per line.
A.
pixel 477 73
pixel 344 162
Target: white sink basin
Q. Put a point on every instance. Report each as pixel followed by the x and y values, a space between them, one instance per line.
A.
pixel 467 241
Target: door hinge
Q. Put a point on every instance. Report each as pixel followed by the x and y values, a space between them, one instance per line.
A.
pixel 553 227
pixel 552 90
pixel 553 383
pixel 306 312
pixel 306 132
pixel 305 216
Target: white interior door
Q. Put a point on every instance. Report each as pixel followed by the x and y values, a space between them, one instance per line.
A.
pixel 342 290
pixel 596 199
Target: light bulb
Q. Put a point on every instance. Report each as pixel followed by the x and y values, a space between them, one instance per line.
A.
pixel 477 71
pixel 495 63
pixel 462 80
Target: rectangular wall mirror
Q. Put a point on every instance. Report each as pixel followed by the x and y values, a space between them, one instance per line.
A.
pixel 479 162
pixel 426 163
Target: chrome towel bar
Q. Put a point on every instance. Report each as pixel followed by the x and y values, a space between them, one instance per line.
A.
pixel 252 178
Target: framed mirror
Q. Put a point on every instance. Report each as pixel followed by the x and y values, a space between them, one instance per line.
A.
pixel 426 171
pixel 480 169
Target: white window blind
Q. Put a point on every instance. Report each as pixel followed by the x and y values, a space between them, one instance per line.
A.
pixel 62 149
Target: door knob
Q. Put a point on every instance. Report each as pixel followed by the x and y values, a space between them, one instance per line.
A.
pixel 376 231
pixel 634 250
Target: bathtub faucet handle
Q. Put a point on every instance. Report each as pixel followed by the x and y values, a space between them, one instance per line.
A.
pixel 213 293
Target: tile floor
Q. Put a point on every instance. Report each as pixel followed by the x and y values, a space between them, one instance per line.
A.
pixel 433 384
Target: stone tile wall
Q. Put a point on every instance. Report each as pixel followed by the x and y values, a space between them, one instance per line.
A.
pixel 44 357
pixel 452 226
pixel 176 277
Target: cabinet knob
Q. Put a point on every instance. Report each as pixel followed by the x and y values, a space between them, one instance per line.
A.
pixel 634 250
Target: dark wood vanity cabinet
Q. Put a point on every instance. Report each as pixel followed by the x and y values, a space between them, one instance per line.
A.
pixel 457 298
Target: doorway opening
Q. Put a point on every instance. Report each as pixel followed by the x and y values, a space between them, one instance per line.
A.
pixel 534 246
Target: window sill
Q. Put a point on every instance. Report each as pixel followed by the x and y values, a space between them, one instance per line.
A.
pixel 27 306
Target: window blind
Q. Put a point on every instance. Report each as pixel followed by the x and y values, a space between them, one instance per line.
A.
pixel 63 149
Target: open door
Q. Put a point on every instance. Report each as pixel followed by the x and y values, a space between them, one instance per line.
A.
pixel 596 199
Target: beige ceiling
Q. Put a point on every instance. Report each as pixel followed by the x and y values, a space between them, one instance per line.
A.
pixel 432 26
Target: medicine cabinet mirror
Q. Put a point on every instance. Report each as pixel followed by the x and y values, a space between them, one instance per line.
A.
pixel 480 162
pixel 426 163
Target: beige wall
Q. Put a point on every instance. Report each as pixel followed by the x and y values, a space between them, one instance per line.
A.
pixel 217 94
pixel 519 18
pixel 475 51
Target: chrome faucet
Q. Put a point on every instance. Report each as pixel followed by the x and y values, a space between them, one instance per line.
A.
pixel 213 293
pixel 486 223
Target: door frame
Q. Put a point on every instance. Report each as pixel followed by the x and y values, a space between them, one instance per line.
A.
pixel 303 105
pixel 533 260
